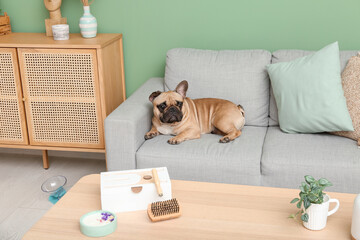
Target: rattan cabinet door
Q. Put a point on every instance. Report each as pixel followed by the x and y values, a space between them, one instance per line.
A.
pixel 12 117
pixel 61 92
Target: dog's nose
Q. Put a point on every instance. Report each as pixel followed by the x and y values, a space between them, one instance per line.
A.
pixel 172 109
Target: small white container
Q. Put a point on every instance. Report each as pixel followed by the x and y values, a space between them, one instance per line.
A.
pixel 60 31
pixel 355 224
pixel 318 213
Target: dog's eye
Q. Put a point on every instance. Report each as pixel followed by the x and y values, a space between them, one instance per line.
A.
pixel 179 104
pixel 161 106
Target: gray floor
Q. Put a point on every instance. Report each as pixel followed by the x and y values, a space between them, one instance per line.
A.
pixel 22 203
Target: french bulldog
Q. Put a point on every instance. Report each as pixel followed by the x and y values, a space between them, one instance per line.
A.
pixel 178 115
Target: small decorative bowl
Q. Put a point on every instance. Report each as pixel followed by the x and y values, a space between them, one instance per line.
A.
pixel 98 223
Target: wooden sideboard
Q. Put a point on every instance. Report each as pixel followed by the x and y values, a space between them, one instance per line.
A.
pixel 55 95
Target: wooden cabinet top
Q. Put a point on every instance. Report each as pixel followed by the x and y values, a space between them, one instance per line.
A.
pixel 40 40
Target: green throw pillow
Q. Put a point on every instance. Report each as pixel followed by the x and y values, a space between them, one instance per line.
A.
pixel 309 94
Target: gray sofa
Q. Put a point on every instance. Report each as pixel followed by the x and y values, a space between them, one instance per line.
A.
pixel 262 155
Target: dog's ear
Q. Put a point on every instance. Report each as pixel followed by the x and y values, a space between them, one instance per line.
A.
pixel 241 110
pixel 154 95
pixel 181 88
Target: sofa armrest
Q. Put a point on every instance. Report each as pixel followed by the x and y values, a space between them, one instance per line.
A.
pixel 126 126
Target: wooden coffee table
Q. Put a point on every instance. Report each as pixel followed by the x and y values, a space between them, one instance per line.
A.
pixel 209 211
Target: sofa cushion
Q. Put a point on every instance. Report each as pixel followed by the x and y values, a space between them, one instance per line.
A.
pixel 206 159
pixel 239 76
pixel 289 55
pixel 351 86
pixel 309 94
pixel 287 158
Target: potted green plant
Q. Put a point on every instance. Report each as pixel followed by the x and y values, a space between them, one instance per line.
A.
pixel 314 203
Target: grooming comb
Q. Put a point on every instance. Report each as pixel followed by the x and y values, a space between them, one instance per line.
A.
pixel 164 210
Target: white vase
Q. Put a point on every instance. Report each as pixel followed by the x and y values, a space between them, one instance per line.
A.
pixel 88 24
pixel 355 223
pixel 318 213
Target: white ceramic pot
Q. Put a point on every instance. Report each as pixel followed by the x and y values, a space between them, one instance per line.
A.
pixel 60 31
pixel 355 224
pixel 318 213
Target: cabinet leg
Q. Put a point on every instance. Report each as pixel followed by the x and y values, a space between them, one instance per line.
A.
pixel 45 159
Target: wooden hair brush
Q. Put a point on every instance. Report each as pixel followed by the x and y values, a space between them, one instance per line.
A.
pixel 164 210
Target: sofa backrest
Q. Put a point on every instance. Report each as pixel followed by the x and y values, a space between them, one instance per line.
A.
pixel 239 76
pixel 288 55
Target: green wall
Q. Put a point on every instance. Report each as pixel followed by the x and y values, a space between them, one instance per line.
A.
pixel 151 27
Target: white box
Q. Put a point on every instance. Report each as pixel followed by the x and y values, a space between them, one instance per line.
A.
pixel 118 189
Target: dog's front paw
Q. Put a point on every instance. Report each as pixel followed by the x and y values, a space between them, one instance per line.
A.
pixel 224 140
pixel 150 135
pixel 174 141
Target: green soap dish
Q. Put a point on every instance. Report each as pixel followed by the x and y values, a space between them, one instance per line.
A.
pixel 98 223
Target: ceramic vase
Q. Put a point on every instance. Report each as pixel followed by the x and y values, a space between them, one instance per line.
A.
pixel 318 213
pixel 88 24
pixel 355 223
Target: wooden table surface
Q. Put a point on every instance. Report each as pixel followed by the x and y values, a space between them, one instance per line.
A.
pixel 209 211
